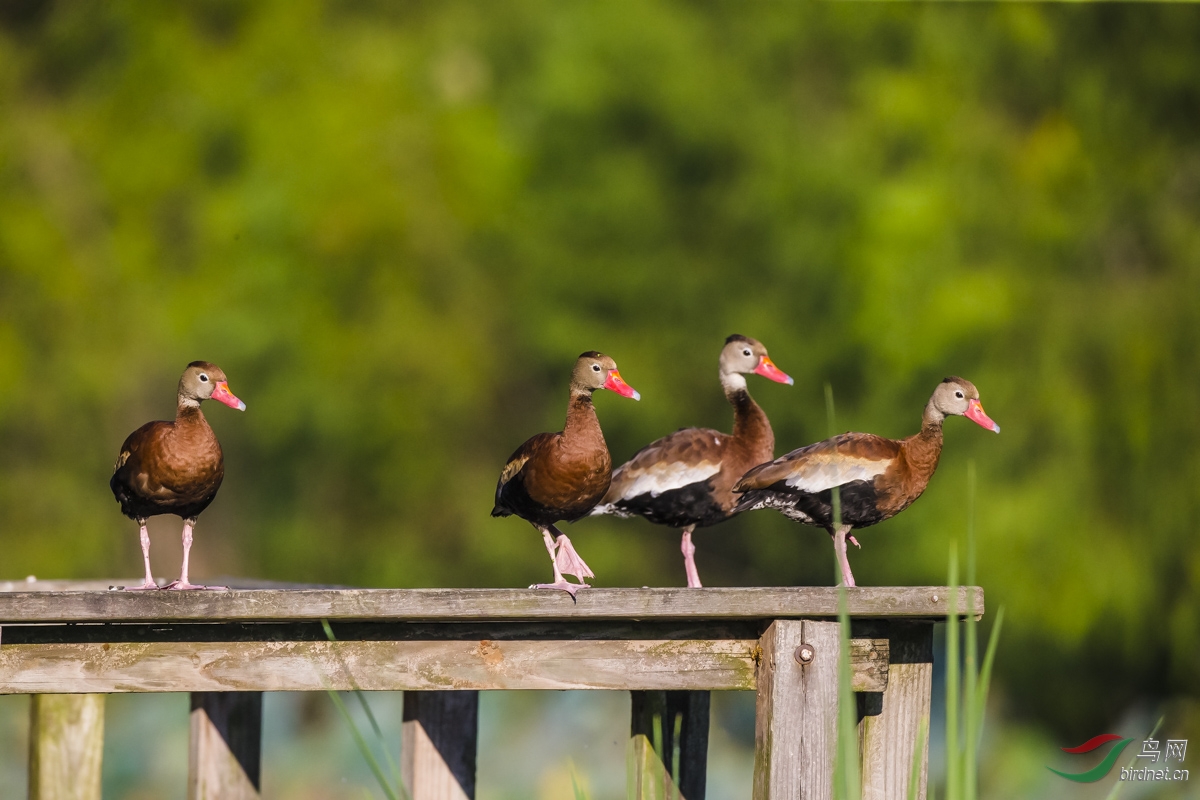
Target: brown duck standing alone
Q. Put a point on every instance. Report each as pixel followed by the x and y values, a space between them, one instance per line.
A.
pixel 685 480
pixel 561 476
pixel 175 467
pixel 876 478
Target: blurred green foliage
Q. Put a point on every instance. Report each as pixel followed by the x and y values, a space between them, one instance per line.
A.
pixel 394 225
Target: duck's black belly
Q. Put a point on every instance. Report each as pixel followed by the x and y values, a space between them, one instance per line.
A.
pixel 692 504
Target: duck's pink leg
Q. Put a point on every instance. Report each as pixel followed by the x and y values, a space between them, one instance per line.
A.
pixel 568 562
pixel 182 583
pixel 149 582
pixel 689 561
pixel 839 546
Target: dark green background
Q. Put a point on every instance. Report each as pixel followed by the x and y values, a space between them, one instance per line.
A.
pixel 394 225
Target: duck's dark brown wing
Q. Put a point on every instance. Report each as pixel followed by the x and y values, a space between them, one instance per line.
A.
pixel 511 494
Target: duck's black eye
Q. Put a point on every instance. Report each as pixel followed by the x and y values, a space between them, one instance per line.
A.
pixel 204 379
pixel 595 367
pixel 745 352
pixel 958 395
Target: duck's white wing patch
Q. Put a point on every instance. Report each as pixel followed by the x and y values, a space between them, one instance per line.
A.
pixel 817 476
pixel 665 477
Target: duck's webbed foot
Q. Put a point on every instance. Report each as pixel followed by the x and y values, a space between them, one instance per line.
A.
pixel 184 586
pixel 567 560
pixel 147 584
pixel 553 548
pixel 564 585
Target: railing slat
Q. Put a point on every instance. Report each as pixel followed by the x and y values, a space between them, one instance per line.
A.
pixel 890 733
pixel 796 723
pixel 224 757
pixel 438 744
pixel 66 746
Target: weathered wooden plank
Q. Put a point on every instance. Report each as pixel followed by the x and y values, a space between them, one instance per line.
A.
pixel 438 745
pixel 869 662
pixel 476 604
pixel 498 630
pixel 890 733
pixel 654 776
pixel 206 666
pixel 32 584
pixel 796 725
pixel 66 746
pixel 225 753
pixel 387 666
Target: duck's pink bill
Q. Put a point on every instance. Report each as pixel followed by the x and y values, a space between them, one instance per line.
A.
pixel 976 415
pixel 766 367
pixel 222 394
pixel 615 384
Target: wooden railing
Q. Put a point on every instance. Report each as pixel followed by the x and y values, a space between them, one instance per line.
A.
pixel 69 644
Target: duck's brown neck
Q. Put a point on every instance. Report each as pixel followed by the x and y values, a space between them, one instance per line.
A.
pixel 923 449
pixel 750 423
pixel 187 413
pixel 582 424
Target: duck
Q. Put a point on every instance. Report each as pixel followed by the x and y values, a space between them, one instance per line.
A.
pixel 175 467
pixel 555 477
pixel 876 478
pixel 685 480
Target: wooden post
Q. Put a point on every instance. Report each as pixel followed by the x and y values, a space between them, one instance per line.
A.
pixel 66 746
pixel 224 758
pixel 652 777
pixel 437 760
pixel 795 736
pixel 892 720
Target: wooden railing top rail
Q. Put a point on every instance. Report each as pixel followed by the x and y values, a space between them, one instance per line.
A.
pixel 22 606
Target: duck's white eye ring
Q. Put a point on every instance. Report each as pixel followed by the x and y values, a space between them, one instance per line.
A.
pixel 958 395
pixel 204 378
pixel 595 367
pixel 745 352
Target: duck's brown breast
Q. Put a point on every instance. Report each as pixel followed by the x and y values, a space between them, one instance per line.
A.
pixel 569 477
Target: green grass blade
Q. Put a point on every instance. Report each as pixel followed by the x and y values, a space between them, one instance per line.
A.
pixel 971 705
pixel 1116 789
pixel 847 774
pixel 918 760
pixel 359 739
pixel 676 755
pixel 953 759
pixel 580 794
pixel 363 747
pixel 835 493
pixel 985 674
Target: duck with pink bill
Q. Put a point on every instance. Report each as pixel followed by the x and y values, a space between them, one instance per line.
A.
pixel 876 478
pixel 175 467
pixel 685 480
pixel 561 476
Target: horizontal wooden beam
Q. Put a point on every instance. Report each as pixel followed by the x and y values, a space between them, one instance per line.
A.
pixel 725 664
pixel 265 605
